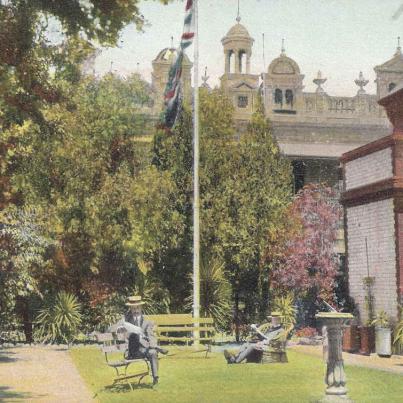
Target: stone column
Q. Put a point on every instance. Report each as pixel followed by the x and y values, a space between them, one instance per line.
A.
pixel 237 61
pixel 335 378
pixel 227 61
pixel 248 55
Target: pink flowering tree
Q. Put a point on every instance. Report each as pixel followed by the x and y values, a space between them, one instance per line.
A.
pixel 309 263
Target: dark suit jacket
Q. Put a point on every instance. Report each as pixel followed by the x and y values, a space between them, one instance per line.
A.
pixel 149 340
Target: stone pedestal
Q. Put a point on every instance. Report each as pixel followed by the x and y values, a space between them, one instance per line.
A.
pixel 335 378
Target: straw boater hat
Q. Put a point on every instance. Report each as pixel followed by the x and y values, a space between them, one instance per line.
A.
pixel 135 300
pixel 275 314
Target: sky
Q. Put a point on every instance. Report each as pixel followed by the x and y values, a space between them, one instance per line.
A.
pixel 338 37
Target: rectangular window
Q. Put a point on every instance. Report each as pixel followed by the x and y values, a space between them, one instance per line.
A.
pixel 242 101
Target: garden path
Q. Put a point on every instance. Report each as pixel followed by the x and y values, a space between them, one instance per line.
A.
pixel 40 374
pixel 392 364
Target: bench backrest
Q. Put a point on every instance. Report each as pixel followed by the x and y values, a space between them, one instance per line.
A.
pixel 110 343
pixel 179 327
pixel 178 319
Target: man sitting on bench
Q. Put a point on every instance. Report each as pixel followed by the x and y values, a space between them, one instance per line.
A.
pixel 260 343
pixel 142 340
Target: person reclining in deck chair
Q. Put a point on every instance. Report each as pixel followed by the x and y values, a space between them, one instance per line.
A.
pixel 260 343
pixel 140 333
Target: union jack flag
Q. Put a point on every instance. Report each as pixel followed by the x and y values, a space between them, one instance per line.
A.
pixel 173 91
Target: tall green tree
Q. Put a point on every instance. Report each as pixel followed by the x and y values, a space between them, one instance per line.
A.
pixel 174 154
pixel 255 198
pixel 245 192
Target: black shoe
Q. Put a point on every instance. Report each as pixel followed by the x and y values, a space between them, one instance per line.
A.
pixel 155 380
pixel 163 351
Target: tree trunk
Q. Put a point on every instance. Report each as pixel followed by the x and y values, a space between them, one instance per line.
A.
pixel 23 310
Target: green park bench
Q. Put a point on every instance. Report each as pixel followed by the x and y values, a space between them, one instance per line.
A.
pixel 115 351
pixel 179 328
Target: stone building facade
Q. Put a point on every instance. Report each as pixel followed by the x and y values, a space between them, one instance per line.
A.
pixel 313 128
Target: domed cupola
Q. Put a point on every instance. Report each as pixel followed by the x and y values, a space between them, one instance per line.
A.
pixel 237 82
pixel 283 85
pixel 166 56
pixel 237 49
pixel 283 65
pixel 159 76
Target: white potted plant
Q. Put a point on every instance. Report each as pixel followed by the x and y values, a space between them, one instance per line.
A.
pixel 383 335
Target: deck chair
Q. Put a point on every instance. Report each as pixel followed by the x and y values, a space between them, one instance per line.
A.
pixel 273 352
pixel 113 345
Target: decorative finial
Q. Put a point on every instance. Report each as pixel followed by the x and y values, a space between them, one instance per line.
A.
pixel 282 47
pixel 361 82
pixel 319 80
pixel 172 42
pixel 238 17
pixel 398 49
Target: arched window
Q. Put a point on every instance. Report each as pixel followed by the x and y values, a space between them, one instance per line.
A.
pixel 391 86
pixel 278 96
pixel 242 61
pixel 289 97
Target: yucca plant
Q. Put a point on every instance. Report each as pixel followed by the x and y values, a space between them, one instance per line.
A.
pixel 285 305
pixel 215 293
pixel 60 319
pixel 381 320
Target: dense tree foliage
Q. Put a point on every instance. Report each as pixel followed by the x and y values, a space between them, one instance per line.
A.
pixel 43 45
pixel 90 209
pixel 87 179
pixel 255 198
pixel 310 259
pixel 308 265
pixel 245 189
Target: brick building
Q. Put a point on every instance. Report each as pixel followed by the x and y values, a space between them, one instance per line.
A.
pixel 373 200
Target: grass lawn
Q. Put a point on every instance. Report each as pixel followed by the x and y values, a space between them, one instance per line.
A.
pixel 192 378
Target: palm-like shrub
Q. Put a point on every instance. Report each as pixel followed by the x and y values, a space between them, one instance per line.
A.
pixel 155 296
pixel 215 293
pixel 60 319
pixel 398 338
pixel 285 305
pixel 381 320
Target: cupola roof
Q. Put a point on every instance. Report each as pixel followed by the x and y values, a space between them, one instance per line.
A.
pixel 395 64
pixel 284 65
pixel 239 31
pixel 166 56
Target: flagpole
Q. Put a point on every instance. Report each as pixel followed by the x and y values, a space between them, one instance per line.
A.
pixel 264 73
pixel 196 200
